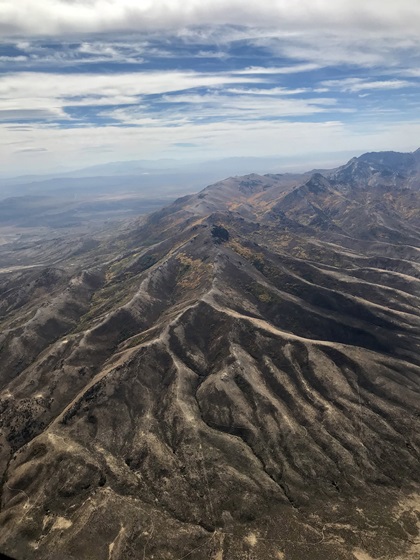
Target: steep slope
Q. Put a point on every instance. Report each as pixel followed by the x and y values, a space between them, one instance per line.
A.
pixel 236 377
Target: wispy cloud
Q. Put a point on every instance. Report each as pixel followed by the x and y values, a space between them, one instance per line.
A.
pixel 41 52
pixel 25 115
pixel 13 59
pixel 31 150
pixel 272 92
pixel 53 92
pixel 190 108
pixel 286 69
pixel 355 85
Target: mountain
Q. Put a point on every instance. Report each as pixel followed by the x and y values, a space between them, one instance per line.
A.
pixel 235 376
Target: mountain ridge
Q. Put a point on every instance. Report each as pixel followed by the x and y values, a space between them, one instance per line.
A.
pixel 236 374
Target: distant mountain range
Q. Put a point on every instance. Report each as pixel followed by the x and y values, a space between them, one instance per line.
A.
pixel 234 376
pixel 168 174
pixel 85 198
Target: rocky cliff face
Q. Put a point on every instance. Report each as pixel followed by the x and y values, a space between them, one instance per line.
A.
pixel 236 377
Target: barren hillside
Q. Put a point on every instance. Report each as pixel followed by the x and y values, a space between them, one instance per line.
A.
pixel 235 377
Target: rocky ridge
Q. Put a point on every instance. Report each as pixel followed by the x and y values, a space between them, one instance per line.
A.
pixel 237 376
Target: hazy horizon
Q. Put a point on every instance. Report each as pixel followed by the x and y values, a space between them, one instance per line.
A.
pixel 239 165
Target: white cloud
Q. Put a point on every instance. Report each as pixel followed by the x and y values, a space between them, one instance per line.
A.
pixel 40 114
pixel 292 69
pixel 31 150
pixel 110 52
pixel 39 53
pixel 196 108
pixel 28 90
pixel 408 72
pixel 19 58
pixel 308 35
pixel 276 91
pixel 61 16
pixel 98 48
pixel 354 46
pixel 355 85
pixel 211 54
pixel 314 34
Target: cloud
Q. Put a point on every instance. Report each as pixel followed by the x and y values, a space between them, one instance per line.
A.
pixel 222 104
pixel 351 45
pixel 68 16
pixel 40 52
pixel 289 69
pixel 354 85
pixel 228 76
pixel 17 115
pixel 276 91
pixel 368 34
pixel 102 49
pixel 14 59
pixel 51 93
pixel 109 52
pixel 31 150
pixel 185 145
pixel 409 72
pixel 211 54
pixel 195 108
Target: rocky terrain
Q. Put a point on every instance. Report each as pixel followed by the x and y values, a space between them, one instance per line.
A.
pixel 235 377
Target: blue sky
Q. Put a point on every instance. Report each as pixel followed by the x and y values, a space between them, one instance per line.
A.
pixel 84 82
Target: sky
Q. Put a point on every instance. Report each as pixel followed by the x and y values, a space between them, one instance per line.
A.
pixel 85 82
